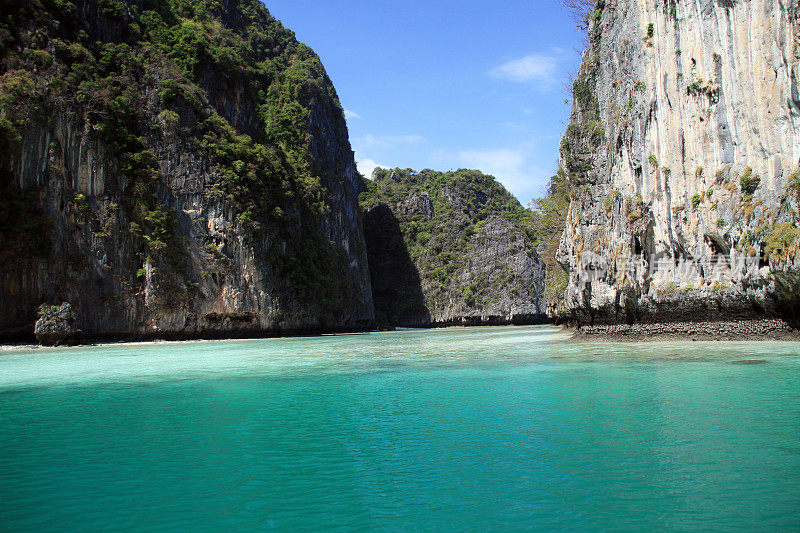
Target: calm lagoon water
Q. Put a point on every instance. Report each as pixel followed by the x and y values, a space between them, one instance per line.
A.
pixel 497 429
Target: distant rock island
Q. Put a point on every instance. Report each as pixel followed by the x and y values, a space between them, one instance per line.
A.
pixel 450 248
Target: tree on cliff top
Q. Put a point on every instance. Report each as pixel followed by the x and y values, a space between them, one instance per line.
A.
pixel 580 11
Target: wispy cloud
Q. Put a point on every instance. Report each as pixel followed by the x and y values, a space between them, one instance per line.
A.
pixel 515 126
pixel 510 166
pixel 541 69
pixel 367 166
pixel 348 114
pixel 386 141
pixel 507 165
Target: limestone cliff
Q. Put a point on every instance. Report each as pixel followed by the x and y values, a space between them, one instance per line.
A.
pixel 682 153
pixel 450 248
pixel 173 169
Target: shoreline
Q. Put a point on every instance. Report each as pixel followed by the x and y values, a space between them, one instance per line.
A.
pixel 107 341
pixel 751 330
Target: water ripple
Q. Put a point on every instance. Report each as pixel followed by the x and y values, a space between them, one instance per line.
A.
pixel 458 429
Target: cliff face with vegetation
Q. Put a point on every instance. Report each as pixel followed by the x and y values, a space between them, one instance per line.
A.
pixel 682 156
pixel 450 248
pixel 173 168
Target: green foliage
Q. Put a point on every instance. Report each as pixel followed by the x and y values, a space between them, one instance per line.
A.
pixel 650 30
pixel 596 131
pixel 696 87
pixel 169 119
pixel 246 216
pixel 611 199
pixel 634 208
pixel 585 135
pixel 450 218
pixel 20 95
pixel 585 97
pixel 41 58
pixel 700 88
pixel 547 221
pixel 696 199
pixel 719 287
pixel 111 8
pixel 481 195
pixel 749 182
pixel 45 309
pixel 82 203
pixel 145 69
pixel 793 185
pixel 174 91
pixel 653 160
pixel 783 243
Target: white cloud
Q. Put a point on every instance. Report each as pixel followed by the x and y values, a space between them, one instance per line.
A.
pixel 386 141
pixel 535 68
pixel 515 126
pixel 348 114
pixel 366 166
pixel 507 165
pixel 510 166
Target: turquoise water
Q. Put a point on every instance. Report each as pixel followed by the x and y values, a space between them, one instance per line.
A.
pixel 460 429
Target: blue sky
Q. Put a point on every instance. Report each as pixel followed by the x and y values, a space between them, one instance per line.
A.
pixel 447 84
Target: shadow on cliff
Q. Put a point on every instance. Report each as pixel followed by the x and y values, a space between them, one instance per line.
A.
pixel 787 299
pixel 396 284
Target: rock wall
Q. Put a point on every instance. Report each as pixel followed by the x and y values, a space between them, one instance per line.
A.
pixel 450 249
pixel 682 153
pixel 247 236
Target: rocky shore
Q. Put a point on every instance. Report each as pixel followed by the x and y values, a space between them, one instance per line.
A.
pixel 739 330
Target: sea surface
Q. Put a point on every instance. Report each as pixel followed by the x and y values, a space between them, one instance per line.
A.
pixel 474 429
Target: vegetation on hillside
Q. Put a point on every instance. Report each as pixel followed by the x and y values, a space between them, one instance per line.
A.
pixel 438 213
pixel 461 203
pixel 137 73
pixel 547 219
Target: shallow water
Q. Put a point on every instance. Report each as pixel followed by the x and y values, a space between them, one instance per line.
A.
pixel 457 429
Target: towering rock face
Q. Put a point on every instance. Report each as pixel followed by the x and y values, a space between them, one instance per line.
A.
pixel 450 248
pixel 173 168
pixel 682 152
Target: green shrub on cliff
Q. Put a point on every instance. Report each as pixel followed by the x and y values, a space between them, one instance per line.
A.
pixel 547 220
pixel 793 185
pixel 783 243
pixel 749 182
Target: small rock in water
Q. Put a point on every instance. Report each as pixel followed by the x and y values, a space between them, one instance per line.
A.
pixel 56 325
